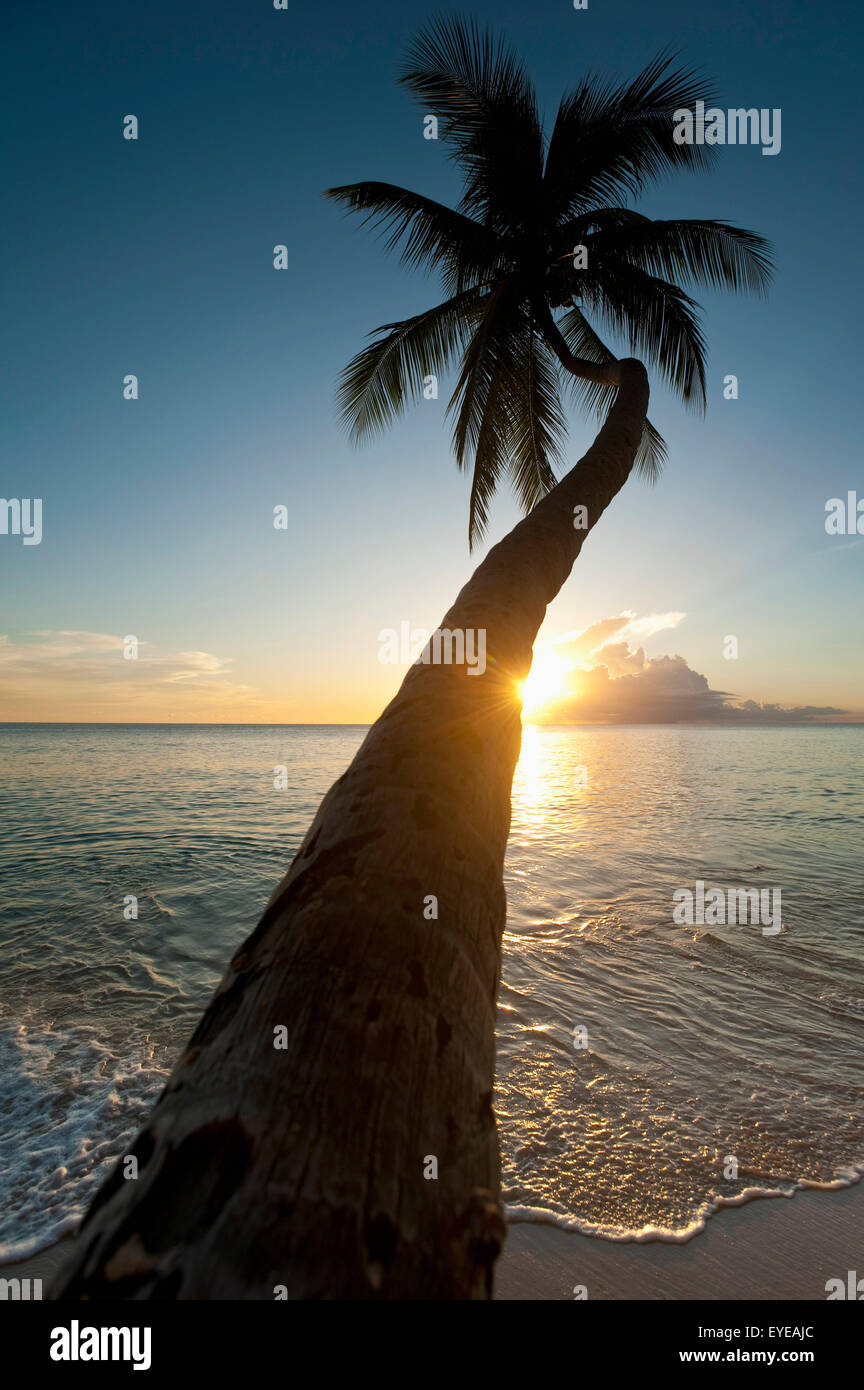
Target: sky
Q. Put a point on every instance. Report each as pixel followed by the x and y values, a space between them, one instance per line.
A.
pixel 154 257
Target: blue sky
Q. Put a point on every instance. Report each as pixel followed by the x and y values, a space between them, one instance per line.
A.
pixel 154 257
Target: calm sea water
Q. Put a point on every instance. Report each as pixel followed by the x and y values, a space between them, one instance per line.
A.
pixel 704 1043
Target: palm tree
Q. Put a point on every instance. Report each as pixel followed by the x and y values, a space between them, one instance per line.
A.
pixel 506 257
pixel 361 1159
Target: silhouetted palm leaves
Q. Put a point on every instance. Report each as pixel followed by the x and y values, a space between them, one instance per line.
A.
pixel 505 257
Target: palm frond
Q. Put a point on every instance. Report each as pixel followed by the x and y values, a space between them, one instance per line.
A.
pixel 537 425
pixel 608 142
pixel 658 321
pixel 488 116
pixel 505 256
pixel 376 385
pixel 480 404
pixel 431 234
pixel 593 396
pixel 700 252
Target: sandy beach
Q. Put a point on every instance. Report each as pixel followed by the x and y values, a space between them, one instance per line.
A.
pixel 43 1265
pixel 782 1249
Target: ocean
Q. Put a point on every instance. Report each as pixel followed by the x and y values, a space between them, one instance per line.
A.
pixel 649 1070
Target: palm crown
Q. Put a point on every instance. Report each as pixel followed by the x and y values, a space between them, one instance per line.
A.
pixel 506 259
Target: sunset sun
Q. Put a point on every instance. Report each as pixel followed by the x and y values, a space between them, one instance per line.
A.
pixel 544 683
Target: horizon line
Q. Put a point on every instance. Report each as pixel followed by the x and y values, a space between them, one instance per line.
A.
pixel 278 724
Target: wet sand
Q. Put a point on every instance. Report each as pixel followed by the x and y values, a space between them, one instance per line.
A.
pixel 776 1248
pixel 780 1248
pixel 42 1266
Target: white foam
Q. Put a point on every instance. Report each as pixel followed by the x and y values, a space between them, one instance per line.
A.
pixel 70 1108
pixel 542 1216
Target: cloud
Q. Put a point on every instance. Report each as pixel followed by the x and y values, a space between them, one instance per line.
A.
pixel 76 675
pixel 611 682
pixel 576 646
pixel 200 664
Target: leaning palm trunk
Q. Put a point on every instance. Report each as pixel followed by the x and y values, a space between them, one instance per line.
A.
pixel 311 1167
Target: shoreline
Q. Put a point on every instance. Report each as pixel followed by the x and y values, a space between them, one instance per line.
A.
pixel 785 1248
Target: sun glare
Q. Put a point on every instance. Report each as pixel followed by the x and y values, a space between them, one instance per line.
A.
pixel 545 682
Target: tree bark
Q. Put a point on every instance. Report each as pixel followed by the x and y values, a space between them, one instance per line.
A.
pixel 604 373
pixel 304 1167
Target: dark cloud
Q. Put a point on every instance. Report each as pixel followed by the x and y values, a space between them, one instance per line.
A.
pixel 620 685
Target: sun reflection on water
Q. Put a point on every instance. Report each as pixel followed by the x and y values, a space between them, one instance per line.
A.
pixel 530 782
